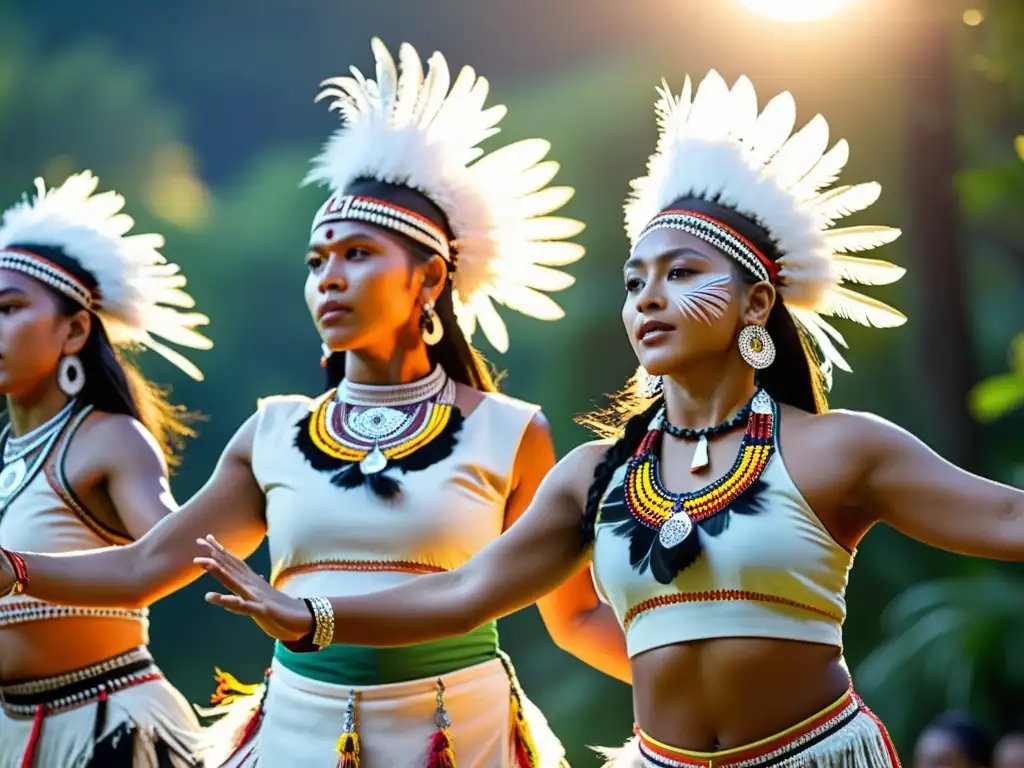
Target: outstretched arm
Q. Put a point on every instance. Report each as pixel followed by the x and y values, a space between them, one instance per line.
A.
pixel 913 489
pixel 538 553
pixel 231 503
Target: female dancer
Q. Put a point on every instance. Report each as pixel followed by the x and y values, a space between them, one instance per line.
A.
pixel 85 458
pixel 730 590
pixel 411 462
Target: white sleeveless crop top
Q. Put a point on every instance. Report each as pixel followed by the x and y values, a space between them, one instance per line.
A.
pixel 47 517
pixel 328 540
pixel 768 569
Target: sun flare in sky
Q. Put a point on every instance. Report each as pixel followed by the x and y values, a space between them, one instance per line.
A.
pixel 794 10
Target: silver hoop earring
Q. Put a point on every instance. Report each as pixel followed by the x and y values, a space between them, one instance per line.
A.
pixel 433 331
pixel 756 347
pixel 70 375
pixel 647 386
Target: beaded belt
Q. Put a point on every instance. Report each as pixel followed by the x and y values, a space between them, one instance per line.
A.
pixel 777 751
pixel 22 612
pixel 73 689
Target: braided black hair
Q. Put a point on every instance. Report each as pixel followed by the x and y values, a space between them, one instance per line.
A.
pixel 618 453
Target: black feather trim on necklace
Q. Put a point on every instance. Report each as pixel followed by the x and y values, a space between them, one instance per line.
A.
pixel 663 528
pixel 430 437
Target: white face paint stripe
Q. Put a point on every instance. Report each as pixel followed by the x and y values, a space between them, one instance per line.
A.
pixel 705 300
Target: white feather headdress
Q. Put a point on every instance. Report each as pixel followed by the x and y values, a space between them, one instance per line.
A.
pixel 423 131
pixel 715 145
pixel 138 293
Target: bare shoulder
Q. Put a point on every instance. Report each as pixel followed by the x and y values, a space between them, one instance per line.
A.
pixel 126 443
pixel 856 440
pixel 576 469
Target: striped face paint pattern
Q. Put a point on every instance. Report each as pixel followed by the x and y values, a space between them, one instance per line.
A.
pixel 704 300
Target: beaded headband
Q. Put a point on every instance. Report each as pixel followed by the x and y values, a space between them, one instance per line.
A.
pixel 719 235
pixel 21 259
pixel 381 214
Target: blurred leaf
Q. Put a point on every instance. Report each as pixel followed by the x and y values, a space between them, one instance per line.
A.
pixel 1018 146
pixel 997 396
pixel 982 189
pixel 1017 354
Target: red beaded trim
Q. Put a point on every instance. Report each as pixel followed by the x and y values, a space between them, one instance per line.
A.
pixel 717 595
pixel 20 571
pixel 372 566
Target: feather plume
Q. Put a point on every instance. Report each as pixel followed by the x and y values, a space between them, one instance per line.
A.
pixel 139 291
pixel 719 148
pixel 862 309
pixel 423 130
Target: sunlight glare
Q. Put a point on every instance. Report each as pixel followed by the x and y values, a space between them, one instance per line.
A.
pixel 794 10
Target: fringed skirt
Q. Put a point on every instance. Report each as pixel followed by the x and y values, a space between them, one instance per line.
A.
pixel 475 717
pixel 118 713
pixel 844 735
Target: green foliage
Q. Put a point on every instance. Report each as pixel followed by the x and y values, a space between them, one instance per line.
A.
pixel 953 641
pixel 58 110
pixel 997 396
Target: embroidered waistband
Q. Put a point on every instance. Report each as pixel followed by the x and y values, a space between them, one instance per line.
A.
pixel 369 566
pixel 721 595
pixel 80 686
pixel 20 612
pixel 762 754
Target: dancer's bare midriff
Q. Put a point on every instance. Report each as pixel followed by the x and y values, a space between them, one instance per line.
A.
pixel 725 693
pixel 43 648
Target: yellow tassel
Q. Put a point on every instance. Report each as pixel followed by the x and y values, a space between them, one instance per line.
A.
pixel 348 744
pixel 229 689
pixel 526 750
pixel 348 750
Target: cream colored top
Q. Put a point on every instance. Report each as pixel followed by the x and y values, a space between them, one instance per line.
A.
pixel 47 517
pixel 326 540
pixel 775 574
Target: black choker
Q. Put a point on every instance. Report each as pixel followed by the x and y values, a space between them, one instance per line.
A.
pixel 700 456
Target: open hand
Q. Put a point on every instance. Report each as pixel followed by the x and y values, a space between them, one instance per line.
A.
pixel 280 616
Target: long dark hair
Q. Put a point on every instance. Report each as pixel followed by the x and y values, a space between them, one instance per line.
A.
pixel 114 384
pixel 459 359
pixel 794 377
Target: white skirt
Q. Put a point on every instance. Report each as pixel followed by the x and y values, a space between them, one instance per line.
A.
pixel 61 722
pixel 301 720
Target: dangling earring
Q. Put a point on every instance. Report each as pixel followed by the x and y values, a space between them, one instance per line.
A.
pixel 647 386
pixel 433 331
pixel 325 355
pixel 756 347
pixel 70 375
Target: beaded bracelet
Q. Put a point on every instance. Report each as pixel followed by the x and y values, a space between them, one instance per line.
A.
pixel 21 575
pixel 321 634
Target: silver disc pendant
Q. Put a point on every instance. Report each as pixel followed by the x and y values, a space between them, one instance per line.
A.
pixel 373 462
pixel 675 530
pixel 11 478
